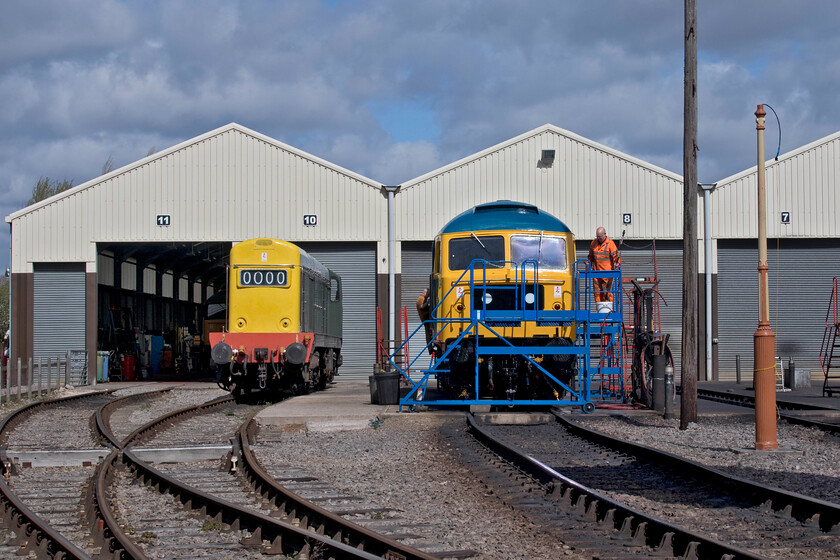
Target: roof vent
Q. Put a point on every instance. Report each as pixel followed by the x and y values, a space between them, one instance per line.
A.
pixel 547 157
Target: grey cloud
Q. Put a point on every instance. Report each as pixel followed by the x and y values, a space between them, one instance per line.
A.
pixel 38 32
pixel 85 80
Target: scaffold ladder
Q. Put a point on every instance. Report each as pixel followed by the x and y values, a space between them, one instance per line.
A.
pixel 830 347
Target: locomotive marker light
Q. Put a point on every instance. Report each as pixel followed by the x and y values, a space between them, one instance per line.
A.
pixel 764 340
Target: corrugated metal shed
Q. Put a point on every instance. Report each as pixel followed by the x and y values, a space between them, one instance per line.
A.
pixel 802 182
pixel 586 185
pixel 229 184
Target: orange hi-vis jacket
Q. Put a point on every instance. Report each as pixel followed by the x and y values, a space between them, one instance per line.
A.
pixel 604 256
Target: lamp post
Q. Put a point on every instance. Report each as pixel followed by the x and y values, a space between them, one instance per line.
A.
pixel 764 340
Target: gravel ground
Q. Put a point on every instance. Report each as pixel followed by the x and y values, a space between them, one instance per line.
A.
pixel 808 460
pixel 403 464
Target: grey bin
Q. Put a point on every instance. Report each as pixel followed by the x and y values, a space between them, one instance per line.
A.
pixel 388 388
pixel 374 397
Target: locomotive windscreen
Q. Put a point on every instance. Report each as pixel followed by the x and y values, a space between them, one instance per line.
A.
pixel 465 250
pixel 548 250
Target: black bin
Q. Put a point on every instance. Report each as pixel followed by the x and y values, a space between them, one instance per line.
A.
pixel 374 397
pixel 388 388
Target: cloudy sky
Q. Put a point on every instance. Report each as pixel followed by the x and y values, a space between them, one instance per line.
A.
pixel 393 89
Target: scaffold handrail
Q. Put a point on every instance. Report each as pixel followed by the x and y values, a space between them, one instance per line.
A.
pixel 832 315
pixel 587 324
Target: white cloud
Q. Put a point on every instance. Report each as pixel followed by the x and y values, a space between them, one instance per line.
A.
pixel 84 80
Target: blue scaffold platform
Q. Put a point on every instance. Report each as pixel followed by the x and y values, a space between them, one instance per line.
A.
pixel 597 348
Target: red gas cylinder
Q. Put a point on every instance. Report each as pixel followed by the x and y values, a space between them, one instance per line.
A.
pixel 128 367
pixel 166 359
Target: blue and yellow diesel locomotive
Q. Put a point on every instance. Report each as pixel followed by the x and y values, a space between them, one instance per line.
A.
pixel 488 260
pixel 284 320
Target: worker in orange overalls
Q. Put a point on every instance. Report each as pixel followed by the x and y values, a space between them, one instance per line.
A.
pixel 604 255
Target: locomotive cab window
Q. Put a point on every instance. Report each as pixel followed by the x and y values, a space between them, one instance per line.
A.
pixel 466 249
pixel 548 250
pixel 335 288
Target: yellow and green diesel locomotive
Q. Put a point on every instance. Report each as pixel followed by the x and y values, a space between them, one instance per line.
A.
pixel 284 320
pixel 489 260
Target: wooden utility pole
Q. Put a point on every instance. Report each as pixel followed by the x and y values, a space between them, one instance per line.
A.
pixel 688 403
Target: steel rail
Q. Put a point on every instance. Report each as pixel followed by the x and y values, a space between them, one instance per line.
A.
pixel 15 417
pixel 645 530
pixel 749 402
pixel 104 412
pixel 285 537
pixel 168 419
pixel 310 515
pixel 105 528
pixel 32 533
pixel 803 508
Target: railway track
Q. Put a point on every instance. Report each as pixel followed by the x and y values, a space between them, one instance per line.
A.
pixel 582 472
pixel 802 414
pixel 191 500
pixel 99 510
pixel 41 505
pixel 49 453
pixel 232 518
pixel 299 494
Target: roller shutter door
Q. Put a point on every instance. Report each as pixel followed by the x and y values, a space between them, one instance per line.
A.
pixel 637 261
pixel 356 264
pixel 800 273
pixel 416 269
pixel 58 314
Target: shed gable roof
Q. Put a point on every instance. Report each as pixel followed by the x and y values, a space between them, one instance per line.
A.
pixel 793 154
pixel 232 127
pixel 536 132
